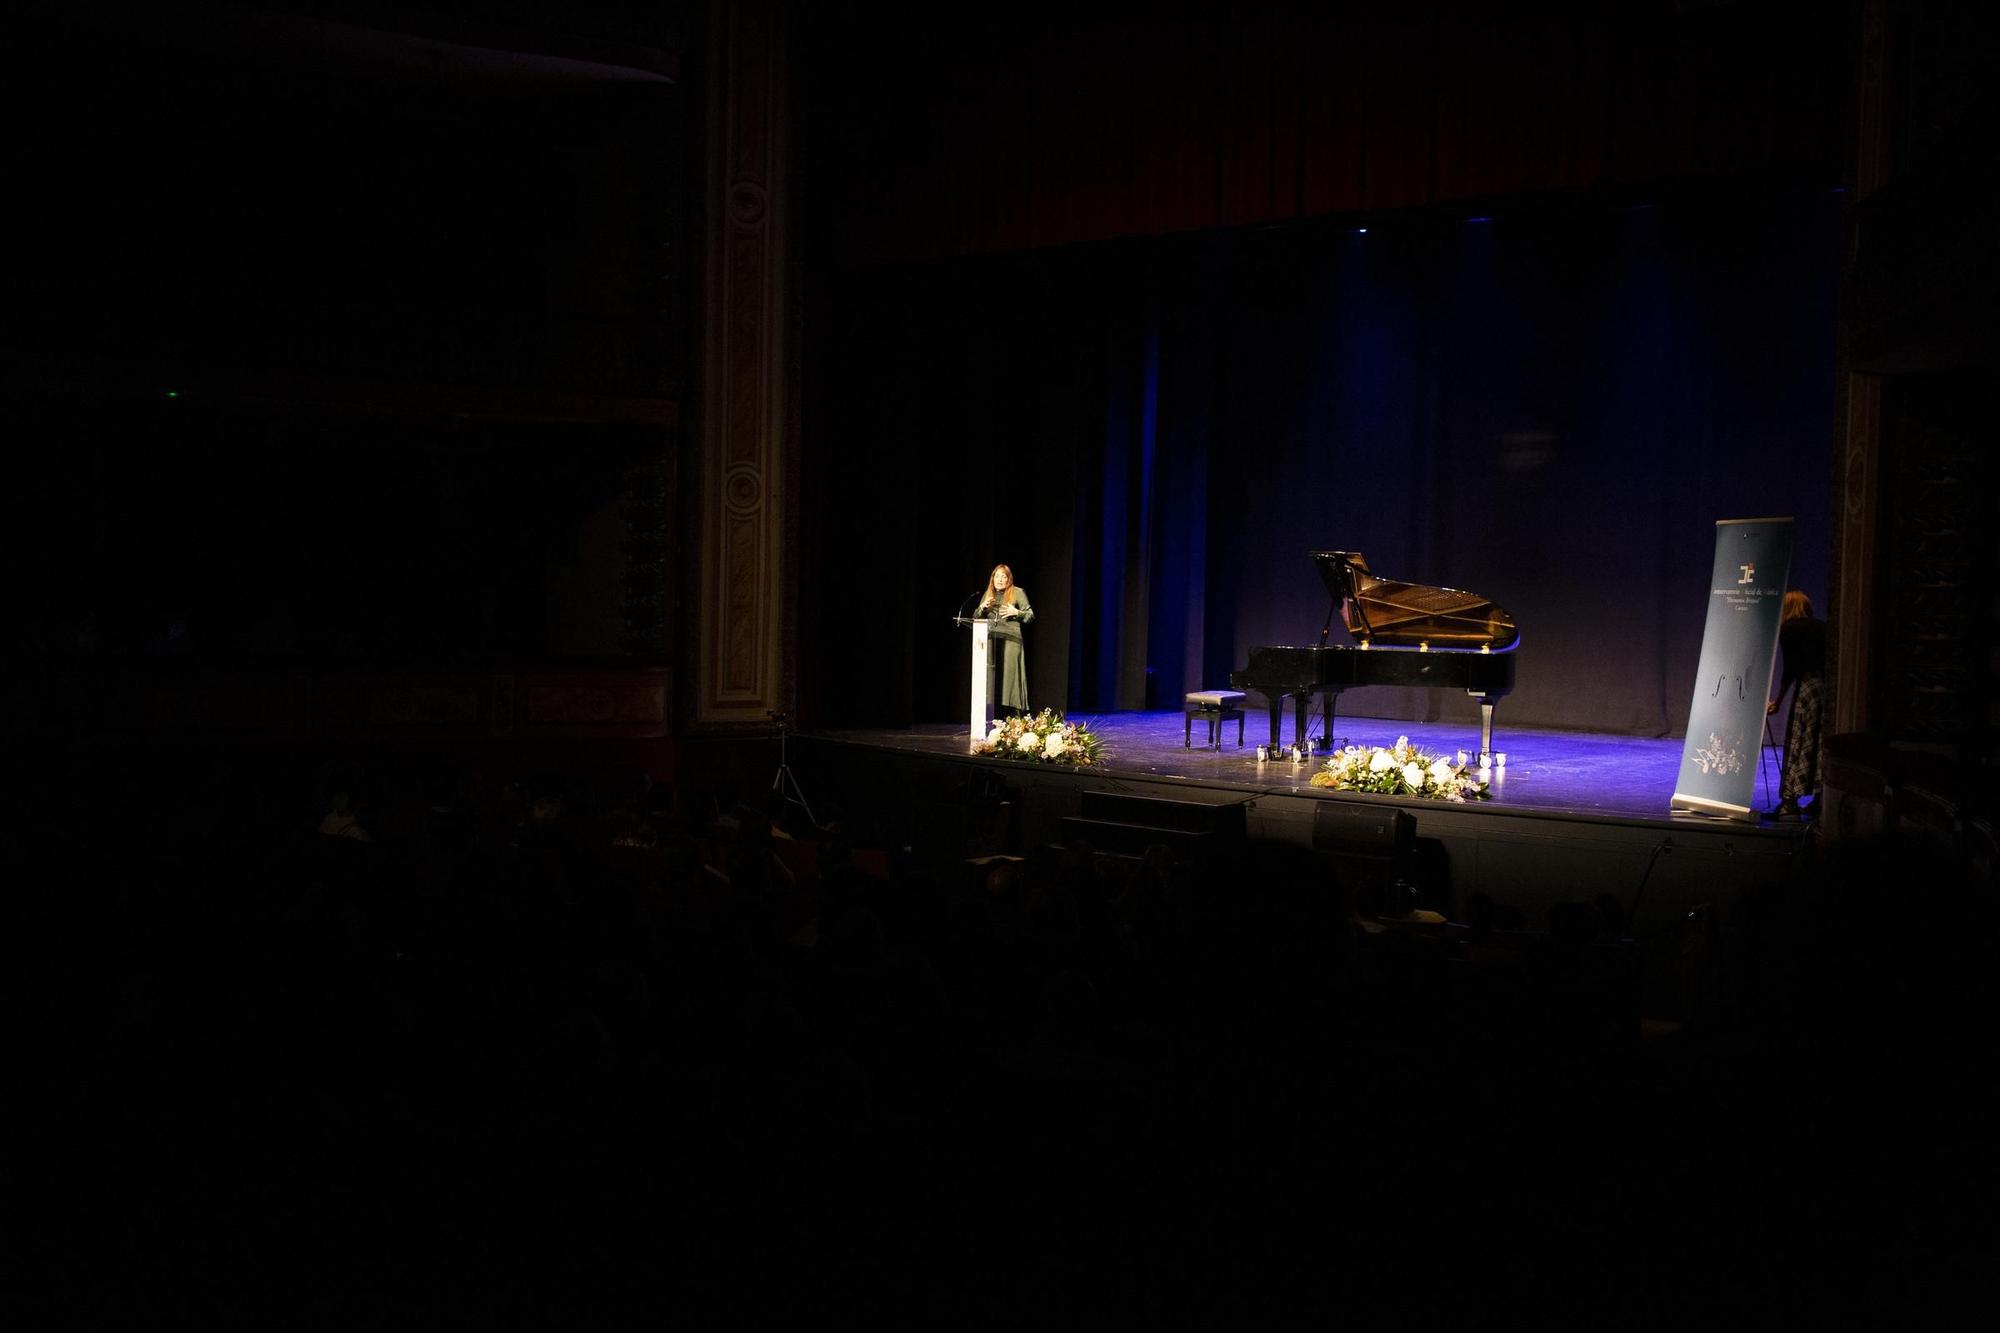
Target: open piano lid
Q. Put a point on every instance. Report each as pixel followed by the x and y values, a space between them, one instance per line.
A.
pixel 1386 613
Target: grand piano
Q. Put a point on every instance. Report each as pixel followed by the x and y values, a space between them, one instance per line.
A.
pixel 1404 634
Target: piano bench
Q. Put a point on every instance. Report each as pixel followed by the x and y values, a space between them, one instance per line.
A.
pixel 1214 707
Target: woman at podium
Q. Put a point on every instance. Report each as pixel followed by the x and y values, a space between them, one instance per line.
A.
pixel 1006 606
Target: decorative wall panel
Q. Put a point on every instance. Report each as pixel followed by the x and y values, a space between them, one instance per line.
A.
pixel 742 668
pixel 1858 424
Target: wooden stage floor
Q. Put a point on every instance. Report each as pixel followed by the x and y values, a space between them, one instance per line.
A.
pixel 1562 773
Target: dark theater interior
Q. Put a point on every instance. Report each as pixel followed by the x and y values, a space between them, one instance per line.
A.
pixel 510 504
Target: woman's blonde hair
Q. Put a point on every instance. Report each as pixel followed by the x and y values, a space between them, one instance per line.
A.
pixel 1797 606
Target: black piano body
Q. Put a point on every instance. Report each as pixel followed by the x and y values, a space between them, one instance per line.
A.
pixel 1303 674
pixel 1408 634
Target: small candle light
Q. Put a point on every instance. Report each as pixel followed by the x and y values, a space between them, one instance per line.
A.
pixel 1500 759
pixel 1462 758
pixel 1263 753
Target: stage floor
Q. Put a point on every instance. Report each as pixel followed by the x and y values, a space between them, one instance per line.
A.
pixel 1555 772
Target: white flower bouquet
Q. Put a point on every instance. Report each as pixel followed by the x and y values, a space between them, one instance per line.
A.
pixel 1401 769
pixel 1044 738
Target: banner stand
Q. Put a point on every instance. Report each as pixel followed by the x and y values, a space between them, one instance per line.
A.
pixel 1739 653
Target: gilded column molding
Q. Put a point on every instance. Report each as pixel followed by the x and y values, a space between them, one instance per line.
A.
pixel 1858 420
pixel 1857 490
pixel 741 668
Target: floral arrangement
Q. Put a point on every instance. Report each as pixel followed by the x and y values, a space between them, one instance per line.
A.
pixel 1399 770
pixel 1044 738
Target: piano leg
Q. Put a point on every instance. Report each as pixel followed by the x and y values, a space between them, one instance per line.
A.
pixel 1277 721
pixel 1327 702
pixel 1300 704
pixel 1485 727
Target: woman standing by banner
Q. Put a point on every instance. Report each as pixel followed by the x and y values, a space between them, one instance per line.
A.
pixel 1007 607
pixel 1802 642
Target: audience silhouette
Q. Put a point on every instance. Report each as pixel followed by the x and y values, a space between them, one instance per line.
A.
pixel 467 1052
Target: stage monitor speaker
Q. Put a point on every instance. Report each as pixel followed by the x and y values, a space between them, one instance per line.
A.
pixel 1122 839
pixel 1224 822
pixel 1370 830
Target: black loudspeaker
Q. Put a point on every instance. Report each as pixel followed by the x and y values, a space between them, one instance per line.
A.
pixel 1126 824
pixel 1370 830
pixel 1221 821
pixel 1106 835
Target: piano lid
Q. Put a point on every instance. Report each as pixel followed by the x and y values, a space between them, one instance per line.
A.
pixel 1387 613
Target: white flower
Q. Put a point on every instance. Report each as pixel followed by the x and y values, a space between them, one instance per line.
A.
pixel 994 735
pixel 1382 762
pixel 1030 741
pixel 1441 771
pixel 1054 746
pixel 1413 776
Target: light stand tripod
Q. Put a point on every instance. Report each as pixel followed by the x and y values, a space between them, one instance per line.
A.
pixel 783 784
pixel 1778 810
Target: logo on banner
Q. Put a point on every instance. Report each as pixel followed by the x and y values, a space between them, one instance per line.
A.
pixel 1749 573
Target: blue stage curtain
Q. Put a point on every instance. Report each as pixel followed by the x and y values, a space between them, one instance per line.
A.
pixel 1550 406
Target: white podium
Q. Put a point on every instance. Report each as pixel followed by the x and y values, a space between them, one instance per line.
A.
pixel 982 679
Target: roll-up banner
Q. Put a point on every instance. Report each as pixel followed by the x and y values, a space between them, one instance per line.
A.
pixel 1739 649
